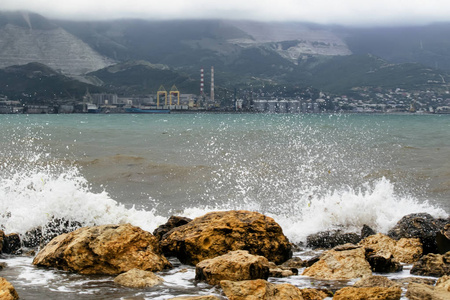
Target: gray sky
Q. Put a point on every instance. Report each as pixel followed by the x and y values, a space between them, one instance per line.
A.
pixel 345 12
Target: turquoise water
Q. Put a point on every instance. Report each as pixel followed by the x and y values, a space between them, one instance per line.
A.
pixel 309 172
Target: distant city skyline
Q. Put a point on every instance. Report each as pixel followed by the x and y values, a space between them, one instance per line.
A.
pixel 344 12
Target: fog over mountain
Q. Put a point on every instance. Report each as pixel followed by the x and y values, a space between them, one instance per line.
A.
pixel 243 52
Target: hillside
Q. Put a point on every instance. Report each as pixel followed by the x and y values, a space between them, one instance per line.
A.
pixel 38 82
pixel 27 37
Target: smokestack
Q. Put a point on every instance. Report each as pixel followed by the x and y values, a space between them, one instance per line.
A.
pixel 212 83
pixel 202 82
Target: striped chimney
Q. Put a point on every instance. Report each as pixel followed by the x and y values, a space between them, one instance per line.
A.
pixel 202 82
pixel 212 83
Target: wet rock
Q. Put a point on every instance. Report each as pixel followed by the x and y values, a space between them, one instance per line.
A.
pixel 11 244
pixel 312 260
pixel 259 289
pixel 7 291
pixel 136 278
pixel 174 221
pixel 295 262
pixel 379 293
pixel 335 265
pixel 331 239
pixel 217 233
pixel 367 231
pixel 2 265
pixel 408 280
pixel 107 249
pixel 418 291
pixel 404 250
pixel 376 280
pixel 443 239
pixel 2 240
pixel 207 297
pixel 316 294
pixel 280 271
pixel 235 265
pixel 432 265
pixel 42 235
pixel 419 225
pixel 380 264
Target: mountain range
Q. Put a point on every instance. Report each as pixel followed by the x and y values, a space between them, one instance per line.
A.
pixel 132 57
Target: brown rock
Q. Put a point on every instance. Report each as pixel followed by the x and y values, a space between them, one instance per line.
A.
pixel 335 265
pixel 208 297
pixel 404 251
pixel 280 271
pixel 408 280
pixel 217 233
pixel 107 249
pixel 314 294
pixel 235 265
pixel 363 293
pixel 7 291
pixel 422 291
pixel 444 283
pixel 259 290
pixel 136 278
pixel 432 265
pixel 418 225
pixel 295 262
pixel 372 281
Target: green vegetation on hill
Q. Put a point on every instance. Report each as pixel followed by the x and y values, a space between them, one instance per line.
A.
pixel 39 83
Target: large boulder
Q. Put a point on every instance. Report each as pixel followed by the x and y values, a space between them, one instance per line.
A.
pixel 418 291
pixel 7 291
pixel 235 265
pixel 136 278
pixel 340 263
pixel 419 225
pixel 405 250
pixel 217 233
pixel 330 239
pixel 363 293
pixel 259 289
pixel 432 265
pixel 106 249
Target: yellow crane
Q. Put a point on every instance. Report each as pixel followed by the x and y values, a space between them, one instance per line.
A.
pixel 174 91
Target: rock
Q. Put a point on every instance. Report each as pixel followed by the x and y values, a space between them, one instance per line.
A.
pixel 42 235
pixel 259 289
pixel 174 221
pixel 444 283
pixel 280 271
pixel 314 294
pixel 366 231
pixel 208 297
pixel 406 281
pixel 380 264
pixel 376 280
pixel 335 265
pixel 363 293
pixel 331 239
pixel 7 291
pixel 404 250
pixel 106 249
pixel 2 265
pixel 443 239
pixel 420 225
pixel 217 233
pixel 418 291
pixel 295 262
pixel 11 244
pixel 432 265
pixel 235 265
pixel 136 278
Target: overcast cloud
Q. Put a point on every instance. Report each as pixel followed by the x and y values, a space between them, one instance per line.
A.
pixel 345 12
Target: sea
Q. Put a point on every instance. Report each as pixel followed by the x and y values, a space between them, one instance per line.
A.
pixel 310 172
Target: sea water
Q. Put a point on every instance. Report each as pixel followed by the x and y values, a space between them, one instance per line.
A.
pixel 309 172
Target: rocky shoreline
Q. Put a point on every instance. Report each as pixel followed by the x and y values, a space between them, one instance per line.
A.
pixel 239 251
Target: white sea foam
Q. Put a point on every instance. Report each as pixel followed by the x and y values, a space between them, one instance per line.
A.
pixel 30 199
